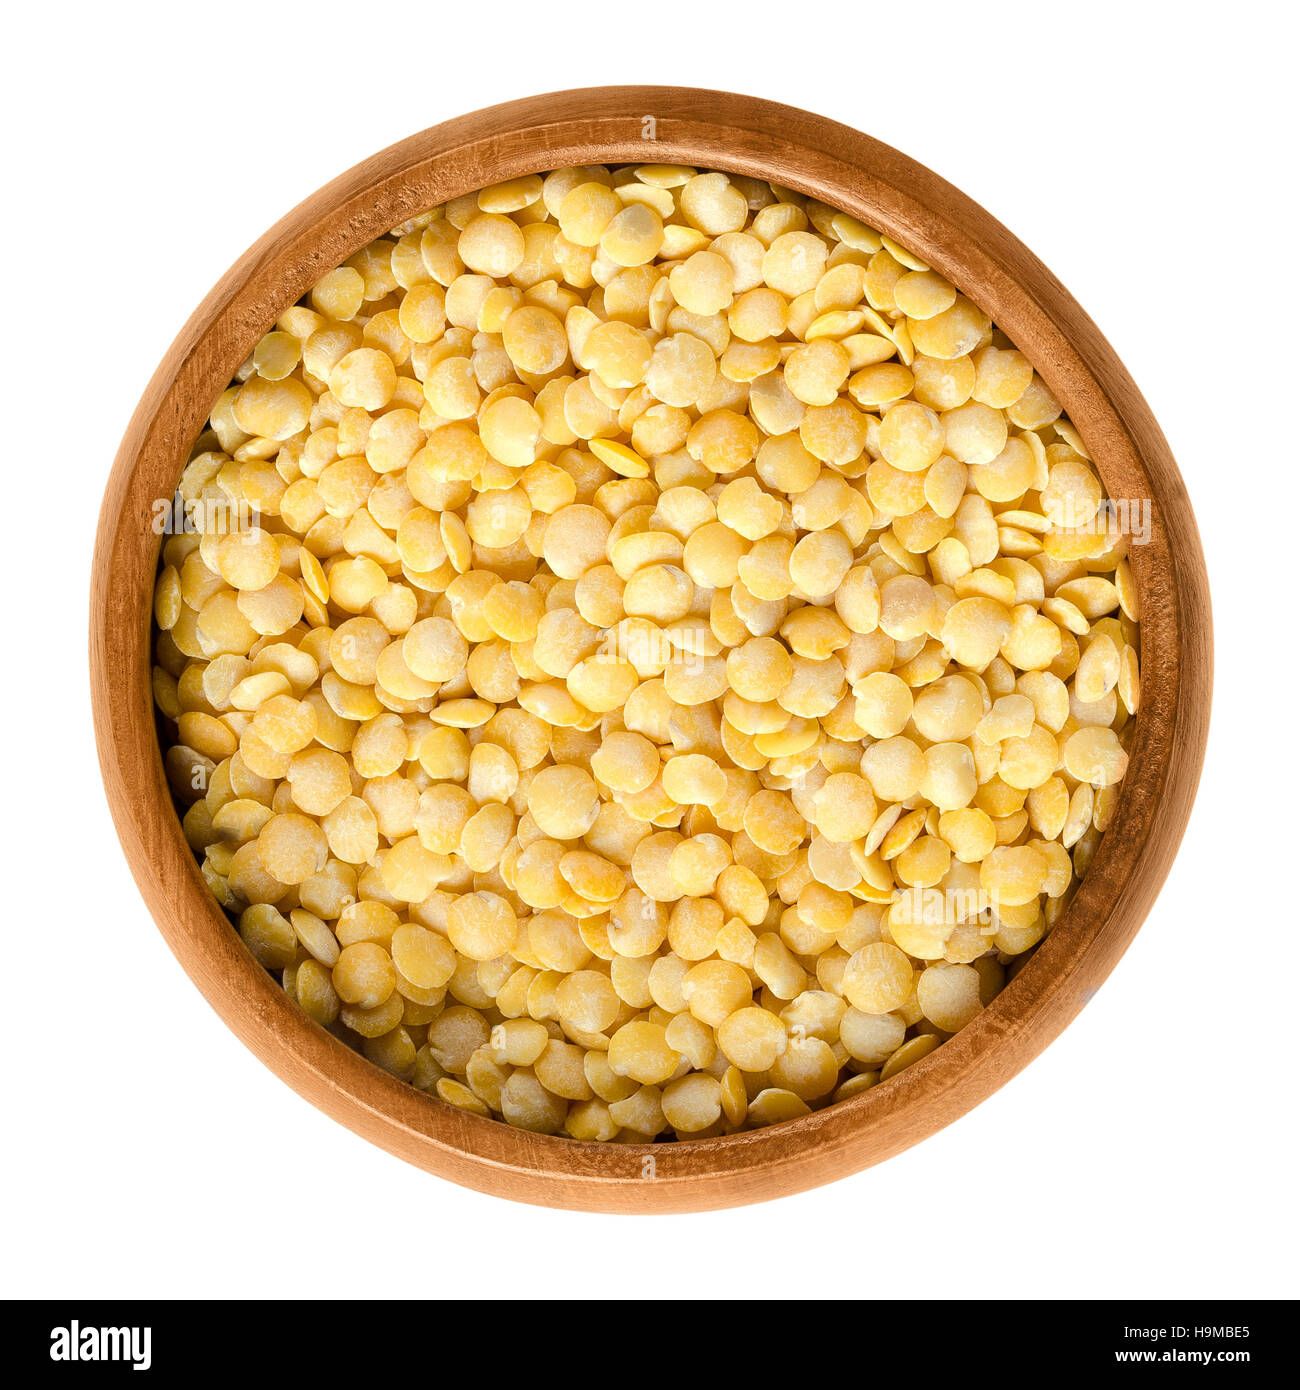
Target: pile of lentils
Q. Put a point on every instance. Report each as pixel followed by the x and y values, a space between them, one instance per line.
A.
pixel 651 657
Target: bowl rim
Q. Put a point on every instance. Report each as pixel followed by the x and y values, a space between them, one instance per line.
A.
pixel 852 171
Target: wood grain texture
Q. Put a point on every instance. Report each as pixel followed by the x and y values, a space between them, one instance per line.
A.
pixel 888 190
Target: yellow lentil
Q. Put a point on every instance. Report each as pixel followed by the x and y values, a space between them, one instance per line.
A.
pixel 674 664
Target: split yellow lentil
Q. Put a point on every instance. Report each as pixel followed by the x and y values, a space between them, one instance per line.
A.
pixel 674 672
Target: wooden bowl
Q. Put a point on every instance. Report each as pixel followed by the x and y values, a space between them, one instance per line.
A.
pixel 884 188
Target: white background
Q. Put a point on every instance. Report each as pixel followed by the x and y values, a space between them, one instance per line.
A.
pixel 1146 153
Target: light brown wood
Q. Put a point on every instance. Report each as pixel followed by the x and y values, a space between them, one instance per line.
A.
pixel 881 186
